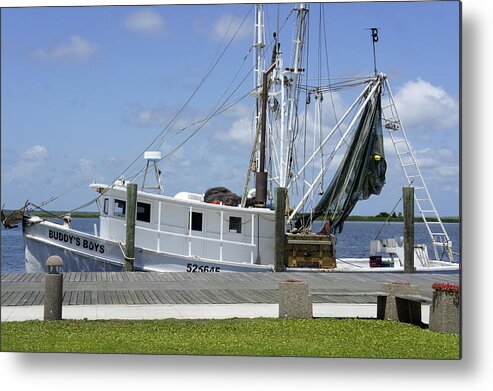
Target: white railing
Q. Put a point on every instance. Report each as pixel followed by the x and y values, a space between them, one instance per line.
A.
pixel 191 237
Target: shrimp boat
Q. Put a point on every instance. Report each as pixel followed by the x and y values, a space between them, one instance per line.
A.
pixel 220 231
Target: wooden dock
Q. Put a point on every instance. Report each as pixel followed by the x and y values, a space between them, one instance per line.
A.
pixel 127 288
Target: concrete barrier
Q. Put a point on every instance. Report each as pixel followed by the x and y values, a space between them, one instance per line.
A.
pixel 294 300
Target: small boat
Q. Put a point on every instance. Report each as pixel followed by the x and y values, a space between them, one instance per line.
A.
pixel 220 231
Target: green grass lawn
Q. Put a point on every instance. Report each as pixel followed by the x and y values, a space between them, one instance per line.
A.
pixel 242 337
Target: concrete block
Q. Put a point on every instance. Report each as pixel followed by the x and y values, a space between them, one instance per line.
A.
pixel 396 310
pixel 294 300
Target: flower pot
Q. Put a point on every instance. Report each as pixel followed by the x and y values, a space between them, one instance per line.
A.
pixel 445 312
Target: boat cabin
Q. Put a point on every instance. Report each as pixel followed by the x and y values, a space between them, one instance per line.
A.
pixel 185 225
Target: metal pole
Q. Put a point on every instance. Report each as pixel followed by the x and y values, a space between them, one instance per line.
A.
pixel 130 231
pixel 408 203
pixel 280 230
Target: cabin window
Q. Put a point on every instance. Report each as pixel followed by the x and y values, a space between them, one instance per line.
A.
pixel 106 205
pixel 120 207
pixel 235 224
pixel 144 212
pixel 196 221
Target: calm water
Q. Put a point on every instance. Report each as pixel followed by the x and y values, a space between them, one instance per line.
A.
pixel 353 242
pixel 13 245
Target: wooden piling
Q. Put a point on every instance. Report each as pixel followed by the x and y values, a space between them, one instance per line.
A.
pixel 130 231
pixel 408 203
pixel 280 230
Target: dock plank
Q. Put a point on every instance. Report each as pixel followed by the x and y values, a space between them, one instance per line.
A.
pixel 87 288
pixel 39 299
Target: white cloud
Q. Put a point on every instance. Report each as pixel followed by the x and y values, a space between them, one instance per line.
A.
pixel 85 169
pixel 424 106
pixel 76 50
pixel 240 131
pixel 438 159
pixel 159 116
pixel 37 152
pixel 440 166
pixel 85 166
pixel 28 164
pixel 227 26
pixel 145 117
pixel 145 22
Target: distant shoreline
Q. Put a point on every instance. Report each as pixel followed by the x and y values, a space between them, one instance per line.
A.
pixel 350 218
pixel 400 219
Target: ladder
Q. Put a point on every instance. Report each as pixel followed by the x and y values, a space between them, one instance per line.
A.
pixel 433 223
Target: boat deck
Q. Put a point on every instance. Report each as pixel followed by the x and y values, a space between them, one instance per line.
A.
pixel 136 288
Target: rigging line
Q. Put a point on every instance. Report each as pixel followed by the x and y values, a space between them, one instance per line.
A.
pixel 229 97
pixel 322 11
pixel 207 74
pixel 77 185
pixel 211 67
pixel 359 146
pixel 202 124
pixel 169 154
pixel 320 96
pixel 346 78
pixel 222 96
pixel 220 108
pixel 218 105
pixel 305 119
pixel 295 92
pixel 46 211
pixel 363 100
pixel 266 48
pixel 336 86
pixel 213 64
pixel 390 214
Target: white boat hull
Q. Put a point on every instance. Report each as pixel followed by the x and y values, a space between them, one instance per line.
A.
pixel 84 252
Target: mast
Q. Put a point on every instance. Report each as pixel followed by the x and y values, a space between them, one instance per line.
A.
pixel 258 44
pixel 286 150
pixel 258 67
pixel 261 174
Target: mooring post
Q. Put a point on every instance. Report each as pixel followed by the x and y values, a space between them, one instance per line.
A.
pixel 130 231
pixel 280 230
pixel 408 202
pixel 53 289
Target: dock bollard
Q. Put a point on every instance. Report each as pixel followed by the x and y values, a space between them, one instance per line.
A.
pixel 53 289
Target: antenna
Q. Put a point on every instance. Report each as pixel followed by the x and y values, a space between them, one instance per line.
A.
pixel 374 36
pixel 152 157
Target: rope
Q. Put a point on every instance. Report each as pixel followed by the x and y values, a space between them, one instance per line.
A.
pixel 47 212
pixel 390 214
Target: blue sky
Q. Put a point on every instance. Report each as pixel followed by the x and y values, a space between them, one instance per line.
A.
pixel 85 89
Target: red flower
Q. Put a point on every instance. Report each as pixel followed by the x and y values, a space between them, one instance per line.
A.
pixel 444 287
